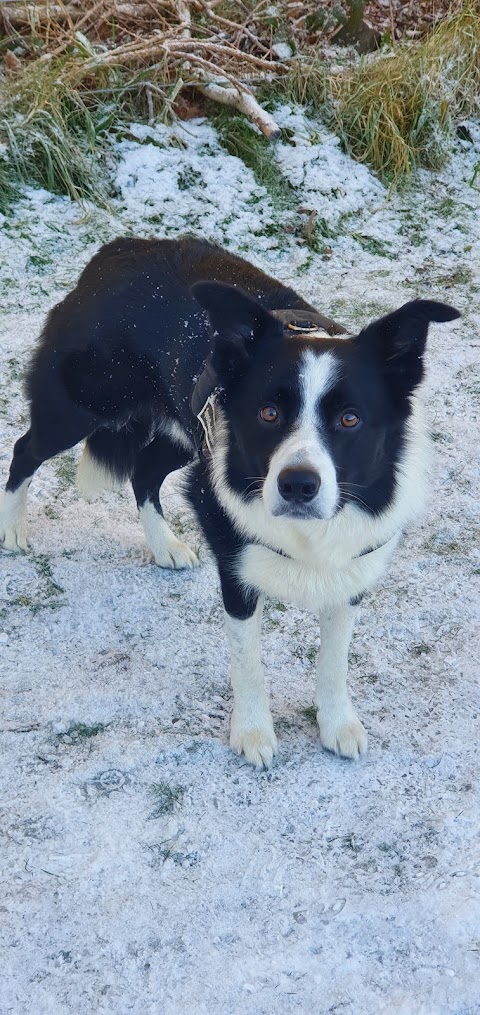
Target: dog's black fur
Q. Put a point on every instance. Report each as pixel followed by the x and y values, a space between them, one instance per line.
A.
pixel 122 349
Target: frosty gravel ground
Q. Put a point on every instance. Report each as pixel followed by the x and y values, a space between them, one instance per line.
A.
pixel 145 868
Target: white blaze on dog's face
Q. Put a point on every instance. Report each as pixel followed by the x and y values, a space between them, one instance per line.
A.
pixel 301 480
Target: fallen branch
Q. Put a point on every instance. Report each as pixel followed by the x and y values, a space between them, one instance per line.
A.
pixel 25 15
pixel 246 103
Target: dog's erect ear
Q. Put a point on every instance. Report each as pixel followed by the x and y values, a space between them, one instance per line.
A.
pixel 399 339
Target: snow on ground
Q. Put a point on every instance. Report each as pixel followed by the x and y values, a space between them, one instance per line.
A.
pixel 145 868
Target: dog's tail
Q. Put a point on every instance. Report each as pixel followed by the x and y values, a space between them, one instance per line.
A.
pixel 110 457
pixel 93 476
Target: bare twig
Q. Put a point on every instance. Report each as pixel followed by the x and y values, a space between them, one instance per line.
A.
pixel 241 29
pixel 392 22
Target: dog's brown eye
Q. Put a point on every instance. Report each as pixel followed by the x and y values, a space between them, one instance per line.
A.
pixel 269 414
pixel 349 420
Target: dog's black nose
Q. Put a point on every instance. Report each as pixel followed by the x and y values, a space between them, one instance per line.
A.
pixel 298 486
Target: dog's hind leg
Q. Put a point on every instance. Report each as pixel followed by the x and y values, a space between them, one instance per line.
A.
pixel 13 504
pixel 35 447
pixel 163 455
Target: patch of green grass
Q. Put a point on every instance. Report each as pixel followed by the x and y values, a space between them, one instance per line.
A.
pixel 443 548
pixel 14 369
pixel 388 120
pixel 446 207
pixel 65 469
pixel 166 798
pixel 50 512
pixel 44 571
pixel 22 601
pixel 310 653
pixel 240 138
pixel 48 593
pixel 316 236
pixel 81 731
pixel 155 220
pixel 372 245
pixel 305 84
pixel 38 261
pixel 54 135
pixel 305 267
pixel 190 177
pixel 310 713
pixel 460 276
pixel 160 852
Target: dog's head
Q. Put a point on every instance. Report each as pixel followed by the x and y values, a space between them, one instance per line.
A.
pixel 314 422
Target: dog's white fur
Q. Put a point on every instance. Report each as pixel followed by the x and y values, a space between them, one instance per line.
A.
pixel 92 476
pixel 251 730
pixel 325 567
pixel 13 518
pixel 340 728
pixel 166 548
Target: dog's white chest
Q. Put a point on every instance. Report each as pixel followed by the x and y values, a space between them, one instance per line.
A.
pixel 307 585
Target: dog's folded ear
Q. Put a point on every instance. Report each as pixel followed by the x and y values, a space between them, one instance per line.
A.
pixel 233 313
pixel 399 339
pixel 237 320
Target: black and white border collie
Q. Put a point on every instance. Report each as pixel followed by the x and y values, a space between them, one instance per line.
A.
pixel 312 455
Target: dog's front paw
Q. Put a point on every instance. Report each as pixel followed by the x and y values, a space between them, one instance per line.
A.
pixel 14 540
pixel 344 735
pixel 175 554
pixel 167 550
pixel 255 739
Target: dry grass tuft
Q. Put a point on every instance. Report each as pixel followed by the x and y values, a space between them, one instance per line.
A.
pixel 53 138
pixel 397 112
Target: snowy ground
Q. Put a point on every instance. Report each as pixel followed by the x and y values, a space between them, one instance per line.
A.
pixel 144 868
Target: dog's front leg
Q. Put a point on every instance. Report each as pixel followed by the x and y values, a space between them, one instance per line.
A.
pixel 251 731
pixel 340 728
